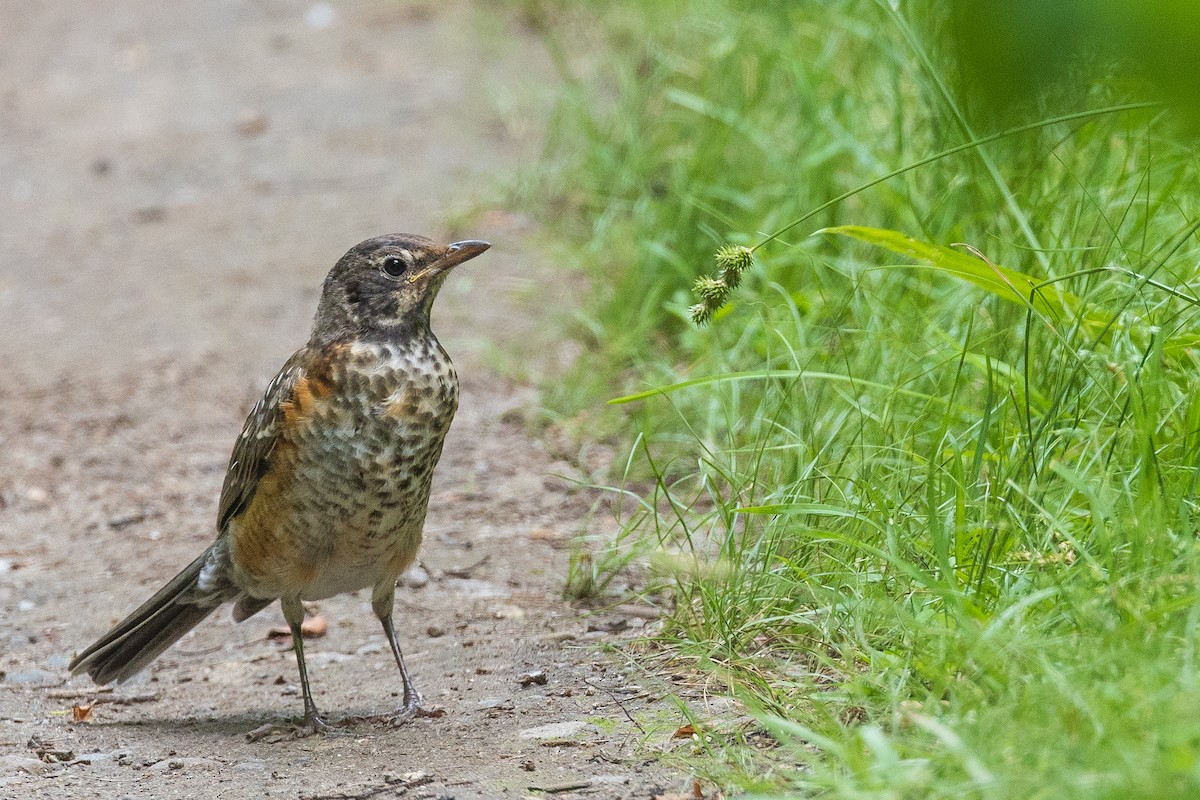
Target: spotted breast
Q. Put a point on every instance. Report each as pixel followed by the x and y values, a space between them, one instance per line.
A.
pixel 344 503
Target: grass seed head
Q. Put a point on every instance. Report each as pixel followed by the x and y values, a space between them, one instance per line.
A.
pixel 732 261
pixel 711 290
pixel 700 313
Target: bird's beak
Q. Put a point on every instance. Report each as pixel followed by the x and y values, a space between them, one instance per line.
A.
pixel 459 252
pixel 455 254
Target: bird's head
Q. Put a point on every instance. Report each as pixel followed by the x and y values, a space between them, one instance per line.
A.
pixel 387 284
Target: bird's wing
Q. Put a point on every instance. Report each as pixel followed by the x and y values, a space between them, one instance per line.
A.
pixel 261 433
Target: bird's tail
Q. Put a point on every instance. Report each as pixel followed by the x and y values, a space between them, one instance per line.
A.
pixel 157 624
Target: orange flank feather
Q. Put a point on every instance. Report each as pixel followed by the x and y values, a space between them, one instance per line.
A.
pixel 262 549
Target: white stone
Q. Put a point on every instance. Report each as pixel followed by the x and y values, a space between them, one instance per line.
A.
pixel 554 730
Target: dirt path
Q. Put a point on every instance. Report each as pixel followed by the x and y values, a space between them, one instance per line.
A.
pixel 175 180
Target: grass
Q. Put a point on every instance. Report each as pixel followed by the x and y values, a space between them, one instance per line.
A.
pixel 929 510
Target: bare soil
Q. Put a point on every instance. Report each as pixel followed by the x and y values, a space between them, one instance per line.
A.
pixel 175 180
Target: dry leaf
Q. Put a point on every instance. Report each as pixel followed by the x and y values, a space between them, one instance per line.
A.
pixel 697 793
pixel 81 713
pixel 314 627
pixel 311 628
pixel 686 732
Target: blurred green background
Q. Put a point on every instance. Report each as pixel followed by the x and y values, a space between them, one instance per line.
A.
pixel 1013 53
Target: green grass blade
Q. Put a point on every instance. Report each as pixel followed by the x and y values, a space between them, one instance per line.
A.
pixel 759 375
pixel 1043 298
pixel 1016 287
pixel 974 143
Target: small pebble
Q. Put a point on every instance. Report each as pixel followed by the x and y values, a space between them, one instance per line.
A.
pixel 33 675
pixel 148 214
pixel 415 577
pixel 496 702
pixel 535 677
pixel 507 611
pixel 320 16
pixel 553 730
pixel 31 766
pixel 251 123
pixel 328 657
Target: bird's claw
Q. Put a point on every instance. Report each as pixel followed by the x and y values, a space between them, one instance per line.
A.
pixel 411 711
pixel 310 725
pixel 406 713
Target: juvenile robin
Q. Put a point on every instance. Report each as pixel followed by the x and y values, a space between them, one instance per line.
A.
pixel 328 484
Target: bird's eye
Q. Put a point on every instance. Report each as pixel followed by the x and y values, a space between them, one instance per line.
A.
pixel 394 266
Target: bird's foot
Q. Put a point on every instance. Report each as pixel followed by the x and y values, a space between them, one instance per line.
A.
pixel 411 711
pixel 309 725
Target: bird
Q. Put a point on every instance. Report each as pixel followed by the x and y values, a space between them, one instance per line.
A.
pixel 328 484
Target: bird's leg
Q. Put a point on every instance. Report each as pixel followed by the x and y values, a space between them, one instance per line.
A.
pixel 312 723
pixel 293 612
pixel 412 701
pixel 382 602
